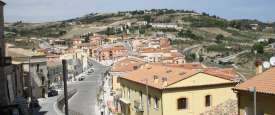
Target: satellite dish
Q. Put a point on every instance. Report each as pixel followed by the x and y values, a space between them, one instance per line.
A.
pixel 266 65
pixel 272 61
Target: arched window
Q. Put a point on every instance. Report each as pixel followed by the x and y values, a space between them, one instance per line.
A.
pixel 182 103
pixel 208 100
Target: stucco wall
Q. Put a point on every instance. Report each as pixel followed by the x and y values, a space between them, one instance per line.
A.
pixel 199 79
pixel 134 95
pixel 196 99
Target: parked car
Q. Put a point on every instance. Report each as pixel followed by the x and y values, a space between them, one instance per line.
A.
pixel 91 71
pixel 52 93
pixel 34 103
pixel 81 78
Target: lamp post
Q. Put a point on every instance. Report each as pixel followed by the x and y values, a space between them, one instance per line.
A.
pixel 254 91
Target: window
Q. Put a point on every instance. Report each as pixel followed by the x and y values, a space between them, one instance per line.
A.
pixel 140 97
pixel 149 100
pixel 123 92
pixel 208 100
pixel 156 100
pixel 37 68
pixel 182 103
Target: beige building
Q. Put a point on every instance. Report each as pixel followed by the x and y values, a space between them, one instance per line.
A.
pixel 122 67
pixel 34 67
pixel 162 90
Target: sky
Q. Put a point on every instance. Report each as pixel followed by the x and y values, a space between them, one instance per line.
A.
pixel 56 10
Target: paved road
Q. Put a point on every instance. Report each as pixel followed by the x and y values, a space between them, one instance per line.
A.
pixel 47 107
pixel 84 101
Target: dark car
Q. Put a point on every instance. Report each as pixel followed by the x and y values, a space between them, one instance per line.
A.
pixel 91 71
pixel 34 103
pixel 81 78
pixel 52 93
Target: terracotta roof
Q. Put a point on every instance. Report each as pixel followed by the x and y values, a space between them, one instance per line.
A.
pixel 150 50
pixel 54 62
pixel 264 82
pixel 172 74
pixel 187 65
pixel 149 72
pixel 176 54
pixel 84 45
pixel 226 73
pixel 126 65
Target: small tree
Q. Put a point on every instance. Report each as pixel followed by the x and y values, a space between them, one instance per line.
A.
pixel 259 47
pixel 219 38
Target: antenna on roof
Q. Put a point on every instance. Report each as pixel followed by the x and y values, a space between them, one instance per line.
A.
pixel 272 60
pixel 266 65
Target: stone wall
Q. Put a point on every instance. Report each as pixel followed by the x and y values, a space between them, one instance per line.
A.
pixel 230 107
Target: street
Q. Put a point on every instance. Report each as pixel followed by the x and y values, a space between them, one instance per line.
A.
pixel 85 100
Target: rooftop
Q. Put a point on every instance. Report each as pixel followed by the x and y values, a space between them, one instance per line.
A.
pixel 264 82
pixel 126 65
pixel 172 74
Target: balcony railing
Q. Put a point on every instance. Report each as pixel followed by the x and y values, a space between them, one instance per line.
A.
pixel 138 106
pixel 5 61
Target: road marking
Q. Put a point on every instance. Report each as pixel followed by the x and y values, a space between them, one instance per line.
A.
pixel 56 109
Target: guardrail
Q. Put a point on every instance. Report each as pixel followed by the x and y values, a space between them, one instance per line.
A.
pixel 61 102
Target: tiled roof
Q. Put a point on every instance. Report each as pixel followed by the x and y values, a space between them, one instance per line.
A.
pixel 172 74
pixel 54 62
pixel 187 65
pixel 126 65
pixel 149 72
pixel 226 73
pixel 264 82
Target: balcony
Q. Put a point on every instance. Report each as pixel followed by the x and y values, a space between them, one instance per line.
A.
pixel 138 106
pixel 8 61
pixel 4 61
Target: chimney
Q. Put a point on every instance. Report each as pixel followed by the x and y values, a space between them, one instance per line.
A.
pixel 156 79
pixel 164 81
pixel 259 67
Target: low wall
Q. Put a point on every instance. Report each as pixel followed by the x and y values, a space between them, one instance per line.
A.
pixel 61 102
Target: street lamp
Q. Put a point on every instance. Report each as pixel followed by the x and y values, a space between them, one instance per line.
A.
pixel 254 91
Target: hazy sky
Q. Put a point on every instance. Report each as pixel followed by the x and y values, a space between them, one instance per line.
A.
pixel 52 10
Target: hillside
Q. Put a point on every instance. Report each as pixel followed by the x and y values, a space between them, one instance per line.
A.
pixel 219 37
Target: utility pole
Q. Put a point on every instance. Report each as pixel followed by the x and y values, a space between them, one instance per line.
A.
pixel 147 92
pixel 65 75
pixel 254 91
pixel 30 77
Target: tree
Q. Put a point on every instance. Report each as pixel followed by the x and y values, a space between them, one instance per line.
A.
pixel 147 18
pixel 219 38
pixel 259 47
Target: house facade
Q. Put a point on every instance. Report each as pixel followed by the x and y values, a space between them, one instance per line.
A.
pixel 162 90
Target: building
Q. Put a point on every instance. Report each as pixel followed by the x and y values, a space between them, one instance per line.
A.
pixel 158 55
pixel 161 90
pixel 97 40
pixel 122 67
pixel 55 70
pixel 164 25
pixel 35 69
pixel 265 94
pixel 110 52
pixel 11 79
